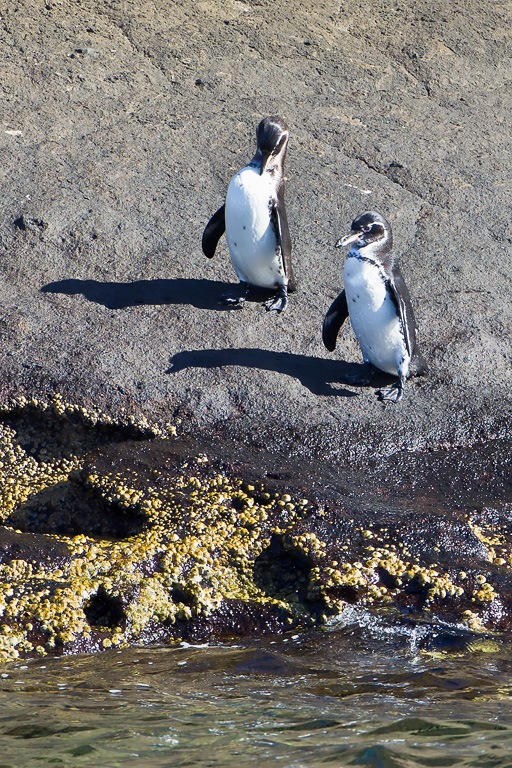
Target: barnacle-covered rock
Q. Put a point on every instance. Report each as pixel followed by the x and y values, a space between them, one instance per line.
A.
pixel 115 532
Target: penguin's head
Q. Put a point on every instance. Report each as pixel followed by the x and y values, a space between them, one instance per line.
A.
pixel 272 137
pixel 369 229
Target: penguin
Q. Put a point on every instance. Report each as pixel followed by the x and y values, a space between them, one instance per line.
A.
pixel 376 299
pixel 254 220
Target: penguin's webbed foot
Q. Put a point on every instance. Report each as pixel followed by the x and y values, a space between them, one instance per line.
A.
pixel 235 302
pixel 235 299
pixel 279 302
pixel 363 378
pixel 391 394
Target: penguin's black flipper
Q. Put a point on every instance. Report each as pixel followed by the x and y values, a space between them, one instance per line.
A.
pixel 402 299
pixel 334 319
pixel 213 232
pixel 279 222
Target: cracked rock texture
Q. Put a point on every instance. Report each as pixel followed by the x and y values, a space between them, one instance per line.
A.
pixel 122 123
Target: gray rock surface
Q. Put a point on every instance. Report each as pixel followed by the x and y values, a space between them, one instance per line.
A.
pixel 122 123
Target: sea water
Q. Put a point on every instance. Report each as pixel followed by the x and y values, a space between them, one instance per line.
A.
pixel 364 691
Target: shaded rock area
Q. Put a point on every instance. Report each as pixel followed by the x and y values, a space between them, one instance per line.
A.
pixel 155 447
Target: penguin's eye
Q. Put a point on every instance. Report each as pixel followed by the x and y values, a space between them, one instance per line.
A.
pixel 367 228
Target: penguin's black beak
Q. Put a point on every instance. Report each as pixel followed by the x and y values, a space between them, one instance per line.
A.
pixel 349 239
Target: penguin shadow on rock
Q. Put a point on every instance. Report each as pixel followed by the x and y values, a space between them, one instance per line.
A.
pixel 315 373
pixel 254 219
pixel 197 292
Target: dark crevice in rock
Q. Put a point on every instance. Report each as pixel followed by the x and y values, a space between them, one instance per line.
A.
pixel 104 610
pixel 181 595
pixel 395 172
pixel 281 573
pixel 24 223
pixel 19 223
pixel 47 435
pixel 70 508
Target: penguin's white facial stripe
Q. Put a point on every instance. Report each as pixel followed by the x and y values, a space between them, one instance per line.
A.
pixel 366 237
pixel 281 144
pixel 274 160
pixel 272 136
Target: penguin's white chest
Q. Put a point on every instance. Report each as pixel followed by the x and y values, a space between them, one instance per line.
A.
pixel 255 252
pixel 374 316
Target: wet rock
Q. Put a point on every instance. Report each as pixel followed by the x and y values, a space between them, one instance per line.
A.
pixel 32 548
pixel 192 539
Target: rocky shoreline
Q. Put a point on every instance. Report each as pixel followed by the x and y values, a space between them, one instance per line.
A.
pixel 112 536
pixel 122 125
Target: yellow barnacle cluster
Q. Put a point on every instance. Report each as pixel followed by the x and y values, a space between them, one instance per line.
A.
pixel 484 592
pixel 42 445
pixel 117 489
pixel 203 534
pixel 472 620
pixel 21 476
pixel 350 575
pixel 10 641
pixel 56 405
pixel 309 543
pixel 438 585
pixel 391 561
pixel 367 574
pixel 494 541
